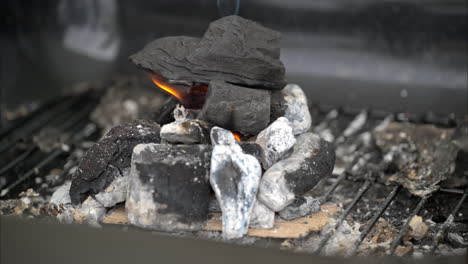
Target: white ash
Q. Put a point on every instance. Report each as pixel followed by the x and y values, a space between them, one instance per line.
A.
pixel 180 113
pixel 275 141
pixel 342 240
pixel 61 200
pixel 221 136
pixel 62 195
pixel 234 177
pixel 90 211
pixel 185 131
pixel 262 216
pixel 275 193
pixel 302 206
pixel 140 206
pixel 297 111
pixel 116 192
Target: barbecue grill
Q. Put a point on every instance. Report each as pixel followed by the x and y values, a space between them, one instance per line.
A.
pixel 334 108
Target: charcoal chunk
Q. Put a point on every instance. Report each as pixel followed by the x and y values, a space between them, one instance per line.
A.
pixel 220 136
pixel 236 108
pixel 168 187
pixel 233 49
pixel 109 158
pixel 275 141
pixel 262 217
pixel 291 102
pixel 234 177
pixel 251 148
pixel 302 206
pixel 187 131
pixel 424 155
pixel 312 159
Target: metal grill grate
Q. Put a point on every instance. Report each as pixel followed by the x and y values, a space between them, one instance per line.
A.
pixel 70 114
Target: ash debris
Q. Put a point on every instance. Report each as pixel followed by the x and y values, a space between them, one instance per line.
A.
pixel 126 100
pixel 423 155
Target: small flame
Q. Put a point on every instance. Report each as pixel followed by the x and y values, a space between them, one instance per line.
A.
pixel 237 136
pixel 167 88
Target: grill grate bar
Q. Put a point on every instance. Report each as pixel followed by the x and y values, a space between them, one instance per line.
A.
pixel 452 191
pixel 63 110
pixel 84 133
pixel 17 160
pixel 67 125
pixel 405 227
pixel 445 226
pixel 388 200
pixel 28 118
pixel 343 216
pixel 332 188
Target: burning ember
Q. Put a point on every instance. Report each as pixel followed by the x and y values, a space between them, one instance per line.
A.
pixel 190 96
pixel 237 136
pixel 167 88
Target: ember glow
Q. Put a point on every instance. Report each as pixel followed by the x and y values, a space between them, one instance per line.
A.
pixel 167 88
pixel 237 136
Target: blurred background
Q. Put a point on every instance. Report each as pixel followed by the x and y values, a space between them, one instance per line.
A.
pixel 405 55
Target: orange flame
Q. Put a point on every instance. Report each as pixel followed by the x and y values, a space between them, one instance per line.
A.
pixel 167 88
pixel 237 136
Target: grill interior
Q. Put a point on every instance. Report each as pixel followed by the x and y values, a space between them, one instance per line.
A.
pixel 363 200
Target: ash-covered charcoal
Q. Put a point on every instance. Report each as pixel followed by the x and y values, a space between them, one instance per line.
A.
pixel 187 131
pixel 116 192
pixel 251 148
pixel 236 108
pixel 233 49
pixel 168 187
pixel 126 100
pixel 234 177
pixel 90 211
pixel 109 159
pixel 275 141
pixel 423 155
pixel 262 216
pixel 220 136
pixel 291 103
pixel 312 159
pixel 302 206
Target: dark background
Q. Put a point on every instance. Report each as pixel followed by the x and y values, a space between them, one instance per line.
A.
pixel 391 55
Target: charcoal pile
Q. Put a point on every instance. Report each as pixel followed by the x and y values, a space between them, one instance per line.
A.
pixel 231 153
pixel 239 137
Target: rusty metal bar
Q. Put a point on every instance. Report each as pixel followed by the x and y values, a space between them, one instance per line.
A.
pixel 390 197
pixel 343 216
pixel 445 226
pixel 405 227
